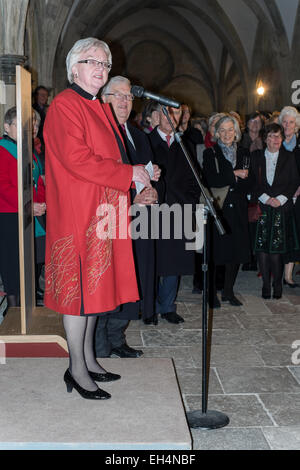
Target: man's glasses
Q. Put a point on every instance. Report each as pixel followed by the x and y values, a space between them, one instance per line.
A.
pixel 96 63
pixel 120 96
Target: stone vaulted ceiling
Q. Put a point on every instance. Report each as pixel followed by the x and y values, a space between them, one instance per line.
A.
pixel 209 53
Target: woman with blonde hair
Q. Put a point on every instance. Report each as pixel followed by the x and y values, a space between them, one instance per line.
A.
pixel 224 167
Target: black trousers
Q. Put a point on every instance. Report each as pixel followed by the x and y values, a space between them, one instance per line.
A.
pixel 109 334
pixel 9 253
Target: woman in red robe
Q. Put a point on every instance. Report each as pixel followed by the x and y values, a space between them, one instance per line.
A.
pixel 89 264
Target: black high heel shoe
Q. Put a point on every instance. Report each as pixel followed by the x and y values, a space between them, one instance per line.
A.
pixel 104 377
pixel 91 395
pixel 290 284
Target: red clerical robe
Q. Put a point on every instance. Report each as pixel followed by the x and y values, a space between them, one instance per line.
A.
pixel 87 191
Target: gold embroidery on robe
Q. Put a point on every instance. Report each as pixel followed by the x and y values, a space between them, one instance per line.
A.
pixel 62 273
pixel 102 230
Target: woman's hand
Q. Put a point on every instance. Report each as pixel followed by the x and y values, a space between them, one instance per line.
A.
pixel 273 202
pixel 147 196
pixel 141 175
pixel 39 208
pixel 241 174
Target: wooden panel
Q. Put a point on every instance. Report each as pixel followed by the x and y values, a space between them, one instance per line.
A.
pixel 43 322
pixel 26 228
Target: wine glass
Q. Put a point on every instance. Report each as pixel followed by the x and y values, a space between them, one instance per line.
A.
pixel 246 162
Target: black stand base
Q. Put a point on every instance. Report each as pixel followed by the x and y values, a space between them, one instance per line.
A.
pixel 209 420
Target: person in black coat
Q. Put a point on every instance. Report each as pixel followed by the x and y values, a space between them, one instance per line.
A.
pixel 110 336
pixel 173 259
pixel 226 165
pixel 40 104
pixel 289 119
pixel 277 179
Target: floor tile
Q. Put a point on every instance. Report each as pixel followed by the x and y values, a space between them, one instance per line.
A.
pixel 284 407
pixel 275 355
pixel 229 439
pixel 242 410
pixel 233 354
pixel 283 438
pixel 257 380
pixel 190 381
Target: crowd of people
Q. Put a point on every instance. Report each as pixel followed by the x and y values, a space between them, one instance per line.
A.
pixel 90 153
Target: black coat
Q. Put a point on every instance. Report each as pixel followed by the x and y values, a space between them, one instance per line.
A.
pixel 143 249
pixel 286 178
pixel 180 187
pixel 234 246
pixel 278 232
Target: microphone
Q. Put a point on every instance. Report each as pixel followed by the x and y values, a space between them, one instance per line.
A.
pixel 140 92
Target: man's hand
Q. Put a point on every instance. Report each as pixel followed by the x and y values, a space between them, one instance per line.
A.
pixel 156 173
pixel 147 196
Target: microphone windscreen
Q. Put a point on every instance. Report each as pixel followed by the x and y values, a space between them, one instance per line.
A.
pixel 137 91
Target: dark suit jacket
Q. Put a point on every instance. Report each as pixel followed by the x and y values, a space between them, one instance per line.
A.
pixel 181 188
pixel 143 249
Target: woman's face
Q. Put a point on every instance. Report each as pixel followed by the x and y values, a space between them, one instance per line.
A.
pixel 212 127
pixel 226 133
pixel 35 126
pixel 11 129
pixel 254 125
pixel 274 141
pixel 289 125
pixel 91 76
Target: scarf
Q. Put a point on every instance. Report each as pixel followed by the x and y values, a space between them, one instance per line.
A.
pixel 291 144
pixel 229 152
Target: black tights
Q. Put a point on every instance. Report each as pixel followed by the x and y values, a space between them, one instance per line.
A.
pixel 80 332
pixel 271 263
pixel 231 271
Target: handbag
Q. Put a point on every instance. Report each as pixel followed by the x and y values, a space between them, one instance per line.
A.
pixel 254 210
pixel 219 194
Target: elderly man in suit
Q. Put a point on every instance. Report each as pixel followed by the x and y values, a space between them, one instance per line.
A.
pixel 173 259
pixel 110 332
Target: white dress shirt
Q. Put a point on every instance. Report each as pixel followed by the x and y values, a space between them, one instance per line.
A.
pixel 164 136
pixel 271 163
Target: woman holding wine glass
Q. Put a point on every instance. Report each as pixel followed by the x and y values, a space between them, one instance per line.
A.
pixel 226 165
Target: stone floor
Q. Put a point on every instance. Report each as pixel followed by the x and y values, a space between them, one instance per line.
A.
pixel 254 369
pixel 254 375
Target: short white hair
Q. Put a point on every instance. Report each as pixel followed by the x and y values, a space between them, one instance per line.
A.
pixel 214 117
pixel 235 123
pixel 80 46
pixel 290 111
pixel 117 79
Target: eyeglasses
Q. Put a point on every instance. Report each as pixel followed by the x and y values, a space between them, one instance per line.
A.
pixel 274 136
pixel 96 63
pixel 121 96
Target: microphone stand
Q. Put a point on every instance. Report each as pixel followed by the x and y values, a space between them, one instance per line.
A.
pixel 204 418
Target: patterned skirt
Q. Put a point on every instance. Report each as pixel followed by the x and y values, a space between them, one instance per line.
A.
pixel 276 231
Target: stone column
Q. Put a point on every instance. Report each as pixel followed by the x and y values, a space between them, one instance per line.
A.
pixel 13 18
